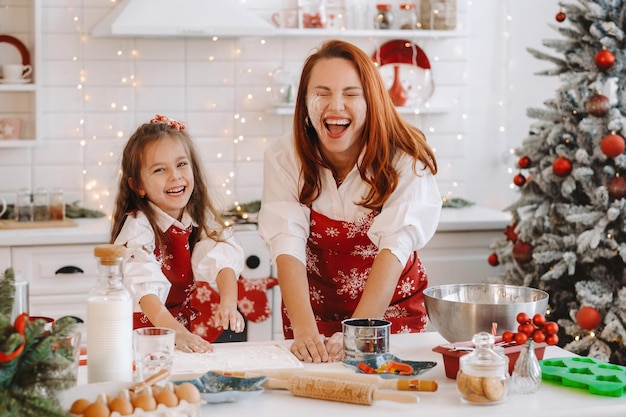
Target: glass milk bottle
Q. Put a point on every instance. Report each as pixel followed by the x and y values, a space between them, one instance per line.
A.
pixel 109 321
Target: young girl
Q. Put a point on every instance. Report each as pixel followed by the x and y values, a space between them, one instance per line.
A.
pixel 164 217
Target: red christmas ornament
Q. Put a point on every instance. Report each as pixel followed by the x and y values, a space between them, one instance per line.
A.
pixel 560 16
pixel 604 59
pixel 598 105
pixel 616 187
pixel 522 252
pixel 561 166
pixel 510 234
pixel 523 162
pixel 612 145
pixel 493 260
pixel 588 317
pixel 519 180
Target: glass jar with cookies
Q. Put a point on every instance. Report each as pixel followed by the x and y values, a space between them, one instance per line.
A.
pixel 483 376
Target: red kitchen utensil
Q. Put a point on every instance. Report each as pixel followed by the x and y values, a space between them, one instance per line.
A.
pixel 401 51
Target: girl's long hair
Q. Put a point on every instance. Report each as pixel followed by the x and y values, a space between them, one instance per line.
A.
pixel 128 201
pixel 385 132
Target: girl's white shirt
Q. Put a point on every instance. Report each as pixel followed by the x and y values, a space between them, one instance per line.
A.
pixel 405 224
pixel 141 270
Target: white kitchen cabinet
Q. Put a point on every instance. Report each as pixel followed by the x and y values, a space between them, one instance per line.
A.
pixel 59 276
pixel 21 40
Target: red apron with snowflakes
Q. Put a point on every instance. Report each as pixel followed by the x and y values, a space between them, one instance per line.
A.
pixel 194 304
pixel 339 259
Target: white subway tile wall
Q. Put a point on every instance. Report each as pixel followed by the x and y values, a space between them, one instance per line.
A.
pixel 96 91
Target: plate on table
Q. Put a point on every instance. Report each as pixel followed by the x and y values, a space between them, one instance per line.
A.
pixel 217 387
pixel 384 361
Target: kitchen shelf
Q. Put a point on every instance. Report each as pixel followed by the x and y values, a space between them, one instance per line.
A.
pixel 412 34
pixel 28 95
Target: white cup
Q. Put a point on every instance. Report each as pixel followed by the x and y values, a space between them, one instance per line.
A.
pixel 287 19
pixel 16 71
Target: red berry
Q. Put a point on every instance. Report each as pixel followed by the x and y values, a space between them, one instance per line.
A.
pixel 523 318
pixel 520 338
pixel 551 328
pixel 523 162
pixel 539 336
pixel 552 339
pixel 519 180
pixel 493 259
pixel 526 328
pixel 507 336
pixel 539 320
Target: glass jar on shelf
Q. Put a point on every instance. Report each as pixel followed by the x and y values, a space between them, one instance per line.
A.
pixel 312 14
pixel 384 16
pixel 57 204
pixel 408 18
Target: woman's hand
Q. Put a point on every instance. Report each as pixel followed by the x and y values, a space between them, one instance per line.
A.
pixel 229 316
pixel 189 342
pixel 334 347
pixel 310 348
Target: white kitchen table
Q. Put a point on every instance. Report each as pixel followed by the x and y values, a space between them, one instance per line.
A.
pixel 551 400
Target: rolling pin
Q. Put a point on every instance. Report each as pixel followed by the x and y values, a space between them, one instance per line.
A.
pixel 380 383
pixel 338 390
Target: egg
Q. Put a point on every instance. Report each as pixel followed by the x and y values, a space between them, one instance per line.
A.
pixel 122 404
pixel 188 392
pixel 166 396
pixel 97 409
pixel 78 407
pixel 145 401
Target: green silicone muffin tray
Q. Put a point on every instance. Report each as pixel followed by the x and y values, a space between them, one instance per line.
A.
pixel 597 377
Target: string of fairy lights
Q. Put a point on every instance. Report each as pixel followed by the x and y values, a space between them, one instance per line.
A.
pixel 99 193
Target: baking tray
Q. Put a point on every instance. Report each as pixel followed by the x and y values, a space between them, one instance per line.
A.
pixel 597 377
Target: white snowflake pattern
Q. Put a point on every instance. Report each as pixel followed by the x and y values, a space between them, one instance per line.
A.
pixel 404 330
pixel 203 294
pixel 246 306
pixel 311 262
pixel 360 226
pixel 201 330
pixel 332 231
pixel 316 296
pixel 395 310
pixel 406 287
pixel 352 284
pixel 369 251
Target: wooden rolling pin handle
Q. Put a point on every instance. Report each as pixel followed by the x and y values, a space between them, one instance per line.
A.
pixel 417 385
pixel 151 380
pixel 399 397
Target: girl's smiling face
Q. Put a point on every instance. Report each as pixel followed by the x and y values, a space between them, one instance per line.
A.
pixel 336 106
pixel 167 176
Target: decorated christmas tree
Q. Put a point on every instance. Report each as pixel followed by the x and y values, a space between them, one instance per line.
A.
pixel 568 233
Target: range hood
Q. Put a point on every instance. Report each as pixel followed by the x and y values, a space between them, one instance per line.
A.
pixel 182 18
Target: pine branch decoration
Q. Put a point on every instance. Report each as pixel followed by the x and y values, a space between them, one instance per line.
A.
pixel 36 363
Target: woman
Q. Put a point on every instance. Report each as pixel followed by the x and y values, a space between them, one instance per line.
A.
pixel 346 204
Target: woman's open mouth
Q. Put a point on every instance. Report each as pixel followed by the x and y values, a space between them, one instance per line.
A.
pixel 336 126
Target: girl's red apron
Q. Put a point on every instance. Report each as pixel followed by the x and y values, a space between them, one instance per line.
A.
pixel 339 259
pixel 188 308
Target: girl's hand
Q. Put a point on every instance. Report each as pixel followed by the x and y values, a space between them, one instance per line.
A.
pixel 229 317
pixel 310 348
pixel 334 347
pixel 189 342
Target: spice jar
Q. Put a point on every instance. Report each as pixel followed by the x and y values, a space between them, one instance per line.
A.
pixel 57 204
pixel 483 376
pixel 384 16
pixel 312 14
pixel 408 18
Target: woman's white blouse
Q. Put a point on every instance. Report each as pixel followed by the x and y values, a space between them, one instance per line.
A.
pixel 406 223
pixel 142 271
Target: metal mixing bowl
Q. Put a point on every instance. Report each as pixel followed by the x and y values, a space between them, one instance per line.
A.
pixel 459 311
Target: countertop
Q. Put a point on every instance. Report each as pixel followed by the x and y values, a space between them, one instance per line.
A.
pixel 95 231
pixel 550 400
